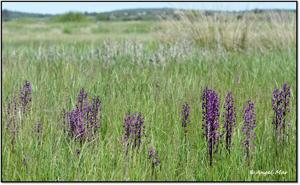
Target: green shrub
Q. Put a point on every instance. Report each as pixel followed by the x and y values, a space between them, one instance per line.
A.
pixel 67 30
pixel 102 17
pixel 71 17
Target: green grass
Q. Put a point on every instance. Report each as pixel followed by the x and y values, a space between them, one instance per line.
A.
pixel 58 69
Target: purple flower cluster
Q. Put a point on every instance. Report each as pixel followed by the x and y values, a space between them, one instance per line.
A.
pixel 18 105
pixel 210 108
pixel 25 96
pixel 153 155
pixel 229 116
pixel 82 101
pixel 77 124
pixel 93 114
pixel 280 103
pixel 84 121
pixel 249 125
pixel 185 116
pixel 133 130
pixel 12 117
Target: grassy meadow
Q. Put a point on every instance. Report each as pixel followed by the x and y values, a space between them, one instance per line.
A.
pixel 152 67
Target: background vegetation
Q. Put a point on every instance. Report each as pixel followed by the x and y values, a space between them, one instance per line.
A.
pixel 151 67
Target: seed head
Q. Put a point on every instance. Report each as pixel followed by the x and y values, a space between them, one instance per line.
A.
pixel 38 128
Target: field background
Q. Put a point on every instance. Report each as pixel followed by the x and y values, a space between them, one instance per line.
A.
pixel 152 67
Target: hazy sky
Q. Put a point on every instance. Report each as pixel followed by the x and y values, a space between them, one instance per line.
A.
pixel 62 7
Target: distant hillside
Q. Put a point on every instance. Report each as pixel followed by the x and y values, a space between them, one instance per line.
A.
pixel 138 14
pixel 164 13
pixel 11 15
pixel 127 14
pixel 118 15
